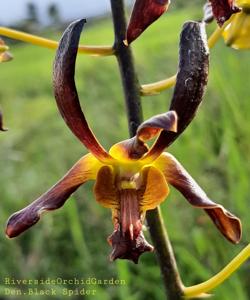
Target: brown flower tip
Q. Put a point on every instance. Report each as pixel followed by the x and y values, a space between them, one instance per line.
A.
pixel 144 13
pixel 126 248
pixel 1 122
pixel 223 9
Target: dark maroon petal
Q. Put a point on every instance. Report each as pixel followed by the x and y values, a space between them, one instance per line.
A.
pixel 53 199
pixel 190 83
pixel 127 240
pixel 125 248
pixel 228 224
pixel 66 93
pixel 153 126
pixel 1 122
pixel 144 13
pixel 223 9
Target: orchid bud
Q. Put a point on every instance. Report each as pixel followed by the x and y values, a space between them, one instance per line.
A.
pixel 144 13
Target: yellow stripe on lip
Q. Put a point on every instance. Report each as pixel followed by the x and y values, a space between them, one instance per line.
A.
pixel 128 185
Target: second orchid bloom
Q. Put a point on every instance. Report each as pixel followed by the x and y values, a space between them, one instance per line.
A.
pixel 237 32
pixel 131 178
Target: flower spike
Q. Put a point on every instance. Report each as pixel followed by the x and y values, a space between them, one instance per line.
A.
pixel 191 82
pixel 223 9
pixel 66 93
pixel 85 169
pixel 144 13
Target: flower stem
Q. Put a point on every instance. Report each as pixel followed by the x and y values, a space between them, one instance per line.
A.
pixel 199 289
pixel 51 44
pixel 172 282
pixel 159 86
pixel 124 56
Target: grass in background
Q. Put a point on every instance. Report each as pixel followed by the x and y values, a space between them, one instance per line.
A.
pixel 38 149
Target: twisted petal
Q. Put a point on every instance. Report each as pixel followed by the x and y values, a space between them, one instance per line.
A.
pixel 153 126
pixel 66 93
pixel 190 83
pixel 223 9
pixel 176 175
pixel 135 147
pixel 85 169
pixel 144 13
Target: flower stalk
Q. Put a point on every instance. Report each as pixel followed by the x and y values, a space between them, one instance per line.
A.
pixel 131 88
pixel 51 44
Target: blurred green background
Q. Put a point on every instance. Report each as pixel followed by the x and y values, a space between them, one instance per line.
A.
pixel 38 149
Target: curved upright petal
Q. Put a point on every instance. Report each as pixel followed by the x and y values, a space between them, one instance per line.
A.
pixel 85 169
pixel 176 175
pixel 66 93
pixel 190 84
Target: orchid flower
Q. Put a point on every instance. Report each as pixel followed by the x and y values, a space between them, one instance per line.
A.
pixel 237 32
pixel 131 178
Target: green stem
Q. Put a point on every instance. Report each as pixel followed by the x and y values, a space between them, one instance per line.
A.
pixel 171 278
pixel 124 57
